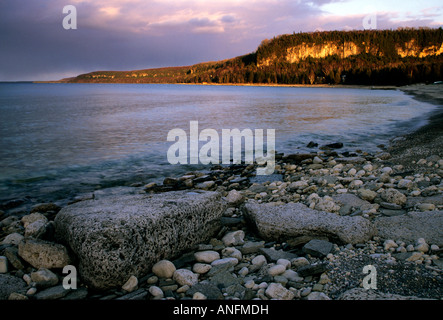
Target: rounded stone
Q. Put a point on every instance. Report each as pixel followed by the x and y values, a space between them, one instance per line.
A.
pixel 259 260
pixel 276 270
pixel 201 268
pixel 199 296
pixel 131 284
pixel 234 238
pixel 185 277
pixel 206 256
pixel 164 269
pixel 156 292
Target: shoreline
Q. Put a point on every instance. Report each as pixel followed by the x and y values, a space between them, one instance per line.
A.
pixel 343 86
pixel 381 191
pixel 426 140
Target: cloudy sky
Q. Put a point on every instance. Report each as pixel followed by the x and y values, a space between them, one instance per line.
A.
pixel 138 34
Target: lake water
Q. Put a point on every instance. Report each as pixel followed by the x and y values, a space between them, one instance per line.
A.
pixel 61 140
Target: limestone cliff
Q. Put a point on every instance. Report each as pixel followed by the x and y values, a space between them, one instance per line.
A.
pixel 346 49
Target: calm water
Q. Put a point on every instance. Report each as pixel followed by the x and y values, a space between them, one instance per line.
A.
pixel 60 140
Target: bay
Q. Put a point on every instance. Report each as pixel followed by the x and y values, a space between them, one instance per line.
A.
pixel 61 140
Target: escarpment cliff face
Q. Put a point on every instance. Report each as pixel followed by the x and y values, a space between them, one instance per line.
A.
pixel 347 49
pixel 412 49
pixel 370 57
pixel 292 49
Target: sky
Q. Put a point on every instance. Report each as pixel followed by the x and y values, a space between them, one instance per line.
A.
pixel 139 34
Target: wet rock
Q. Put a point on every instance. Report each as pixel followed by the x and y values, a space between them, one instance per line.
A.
pixel 348 201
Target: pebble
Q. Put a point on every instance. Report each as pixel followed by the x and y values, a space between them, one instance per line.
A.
pixel 284 262
pixel 199 296
pixel 3 264
pixel 276 270
pixel 185 277
pixel 201 268
pixel 44 278
pixel 234 238
pixel 164 269
pixel 156 292
pixel 31 291
pixel 259 260
pixel 131 284
pixel 306 291
pixel 300 262
pixel 152 280
pixel 243 272
pixel 388 244
pixel 206 256
pixel 317 296
pixel 279 292
pixel 237 264
pixel 183 289
pixel 415 256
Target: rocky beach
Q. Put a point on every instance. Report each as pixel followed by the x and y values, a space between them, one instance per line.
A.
pixel 307 232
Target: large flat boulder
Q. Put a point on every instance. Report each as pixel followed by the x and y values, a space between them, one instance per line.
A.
pixel 412 226
pixel 118 236
pixel 293 220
